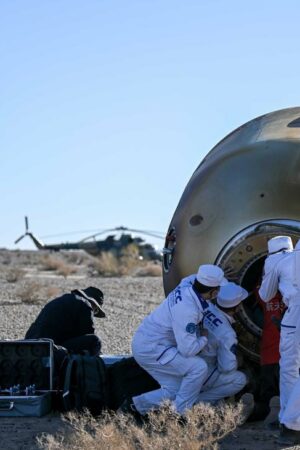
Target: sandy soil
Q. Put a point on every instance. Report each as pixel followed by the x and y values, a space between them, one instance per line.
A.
pixel 26 286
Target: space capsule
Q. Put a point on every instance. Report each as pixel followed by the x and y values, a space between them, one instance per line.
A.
pixel 245 191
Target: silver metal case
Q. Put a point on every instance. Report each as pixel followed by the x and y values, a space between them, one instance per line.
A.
pixel 26 377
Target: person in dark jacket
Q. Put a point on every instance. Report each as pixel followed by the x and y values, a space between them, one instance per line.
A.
pixel 69 321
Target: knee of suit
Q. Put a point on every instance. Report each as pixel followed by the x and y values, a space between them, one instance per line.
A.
pixel 169 392
pixel 199 367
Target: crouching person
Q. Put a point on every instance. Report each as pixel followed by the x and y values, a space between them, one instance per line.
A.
pixel 168 342
pixel 223 379
pixel 69 321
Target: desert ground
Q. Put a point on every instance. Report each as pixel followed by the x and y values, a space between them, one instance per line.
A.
pixel 30 278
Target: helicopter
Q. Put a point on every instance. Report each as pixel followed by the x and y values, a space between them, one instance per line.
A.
pixel 111 243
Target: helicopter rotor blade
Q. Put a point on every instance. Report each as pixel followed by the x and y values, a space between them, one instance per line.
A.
pixel 147 233
pixel 92 236
pixel 26 231
pixel 99 232
pixel 122 228
pixel 20 238
pixel 69 233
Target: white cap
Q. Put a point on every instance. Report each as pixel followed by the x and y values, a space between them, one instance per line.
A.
pixel 231 295
pixel 278 243
pixel 211 275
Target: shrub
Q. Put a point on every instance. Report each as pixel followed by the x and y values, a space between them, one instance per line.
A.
pixel 50 262
pixel 149 270
pixel 30 293
pixel 52 291
pixel 14 275
pixel 131 251
pixel 204 427
pixel 65 269
pixel 6 259
pixel 128 263
pixel 108 264
pixel 76 257
pixel 129 259
pixel 61 267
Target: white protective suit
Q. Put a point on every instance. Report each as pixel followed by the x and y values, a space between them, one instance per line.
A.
pixel 167 345
pixel 223 378
pixel 282 271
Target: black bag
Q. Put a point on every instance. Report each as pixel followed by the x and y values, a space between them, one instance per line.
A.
pixel 127 379
pixel 85 384
pixel 60 357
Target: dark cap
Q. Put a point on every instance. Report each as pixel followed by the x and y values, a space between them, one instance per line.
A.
pixel 94 296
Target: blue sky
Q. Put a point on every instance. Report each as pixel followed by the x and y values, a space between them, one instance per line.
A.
pixel 108 106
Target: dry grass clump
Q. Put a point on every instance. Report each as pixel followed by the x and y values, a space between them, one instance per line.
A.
pixel 60 266
pixel 76 257
pixel 108 264
pixel 205 426
pixel 52 291
pixel 5 258
pixel 30 293
pixel 14 274
pixel 34 293
pixel 50 262
pixel 65 269
pixel 129 259
pixel 150 269
pixel 105 265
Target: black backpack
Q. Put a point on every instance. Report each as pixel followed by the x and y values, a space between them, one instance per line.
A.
pixel 85 384
pixel 127 379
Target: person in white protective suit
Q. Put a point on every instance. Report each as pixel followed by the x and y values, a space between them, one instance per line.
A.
pixel 223 378
pixel 282 271
pixel 168 343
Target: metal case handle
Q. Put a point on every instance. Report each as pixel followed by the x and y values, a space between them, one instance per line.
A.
pixel 11 406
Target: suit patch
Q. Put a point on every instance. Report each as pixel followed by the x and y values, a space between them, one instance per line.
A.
pixel 191 328
pixel 233 349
